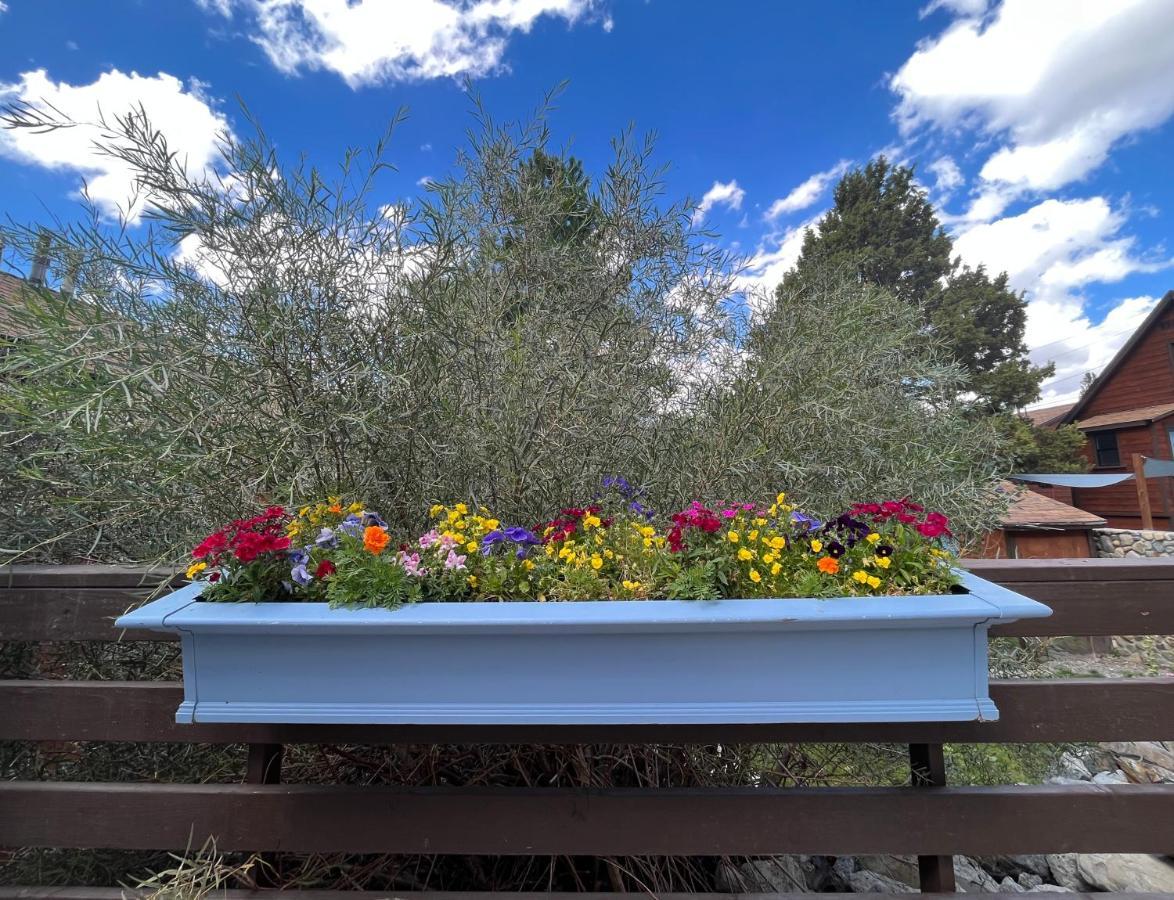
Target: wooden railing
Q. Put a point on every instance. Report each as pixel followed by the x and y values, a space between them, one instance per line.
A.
pixel 928 818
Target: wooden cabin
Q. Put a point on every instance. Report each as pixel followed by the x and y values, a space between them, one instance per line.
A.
pixel 1130 409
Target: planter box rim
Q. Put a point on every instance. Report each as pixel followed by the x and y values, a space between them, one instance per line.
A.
pixel 982 601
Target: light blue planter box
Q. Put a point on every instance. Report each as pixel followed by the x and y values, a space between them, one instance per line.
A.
pixel 874 659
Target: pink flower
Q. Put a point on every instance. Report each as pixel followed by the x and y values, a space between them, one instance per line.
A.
pixel 411 562
pixel 454 561
pixel 427 540
pixel 729 513
pixel 447 543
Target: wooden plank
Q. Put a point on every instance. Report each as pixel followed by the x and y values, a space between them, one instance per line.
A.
pixel 1088 597
pixel 1006 571
pixel 310 818
pixel 1100 709
pixel 1096 607
pixel 1087 608
pixel 20 575
pixel 100 893
pixel 70 614
pixel 927 768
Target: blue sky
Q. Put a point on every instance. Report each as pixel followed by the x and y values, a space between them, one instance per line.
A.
pixel 1041 128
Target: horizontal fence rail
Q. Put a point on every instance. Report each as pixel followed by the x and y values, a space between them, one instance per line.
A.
pixel 1089 597
pixel 983 821
pixel 1030 711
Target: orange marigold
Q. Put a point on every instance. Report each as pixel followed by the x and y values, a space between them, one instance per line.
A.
pixel 829 565
pixel 375 538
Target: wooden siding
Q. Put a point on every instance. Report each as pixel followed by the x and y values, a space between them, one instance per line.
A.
pixel 1009 543
pixel 1118 503
pixel 1144 378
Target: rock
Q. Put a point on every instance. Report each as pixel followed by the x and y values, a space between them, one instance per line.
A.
pixel 1009 886
pixel 1126 872
pixel 1029 880
pixel 896 868
pixel 1051 889
pixel 1064 871
pixel 1073 766
pixel 1018 866
pixel 780 875
pixel 972 878
pixel 1117 777
pixel 842 870
pixel 866 882
pixel 1145 762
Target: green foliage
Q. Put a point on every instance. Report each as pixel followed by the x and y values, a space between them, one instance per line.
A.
pixel 365 579
pixel 884 229
pixel 517 332
pixel 1045 450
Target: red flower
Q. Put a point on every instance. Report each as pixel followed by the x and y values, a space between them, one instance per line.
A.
pixel 935 525
pixel 325 569
pixel 211 545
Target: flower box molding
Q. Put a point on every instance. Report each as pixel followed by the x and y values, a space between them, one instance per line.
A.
pixel 851 659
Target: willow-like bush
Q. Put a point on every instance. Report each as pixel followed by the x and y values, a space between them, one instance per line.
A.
pixel 515 333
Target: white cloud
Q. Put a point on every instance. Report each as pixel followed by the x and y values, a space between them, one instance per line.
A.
pixel 182 113
pixel 3 7
pixel 373 41
pixel 424 180
pixel 1053 251
pixel 1078 347
pixel 947 175
pixel 1058 82
pixel 726 194
pixel 762 272
pixel 806 193
pixel 958 7
pixel 1056 245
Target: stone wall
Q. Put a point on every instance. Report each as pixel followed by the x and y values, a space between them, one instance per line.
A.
pixel 1118 542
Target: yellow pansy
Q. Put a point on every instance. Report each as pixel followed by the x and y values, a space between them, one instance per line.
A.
pixel 781 499
pixel 873 581
pixel 860 575
pixel 768 558
pixel 753 535
pixel 873 538
pixel 461 508
pixel 631 585
pixel 472 579
pixel 648 542
pixel 745 554
pixel 591 521
pixel 471 546
pixel 884 562
pixel 760 521
pixel 754 576
pixel 776 543
pixel 356 508
pixel 733 537
pixel 816 545
pixel 196 568
pixel 527 564
pixel 775 569
pixel 596 561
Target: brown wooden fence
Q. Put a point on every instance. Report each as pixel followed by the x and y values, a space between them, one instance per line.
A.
pixel 928 818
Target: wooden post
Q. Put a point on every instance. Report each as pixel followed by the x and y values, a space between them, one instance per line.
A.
pixel 263 766
pixel 1143 493
pixel 927 765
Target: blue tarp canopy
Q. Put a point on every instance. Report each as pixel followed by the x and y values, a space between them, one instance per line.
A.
pixel 1074 481
pixel 1154 468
